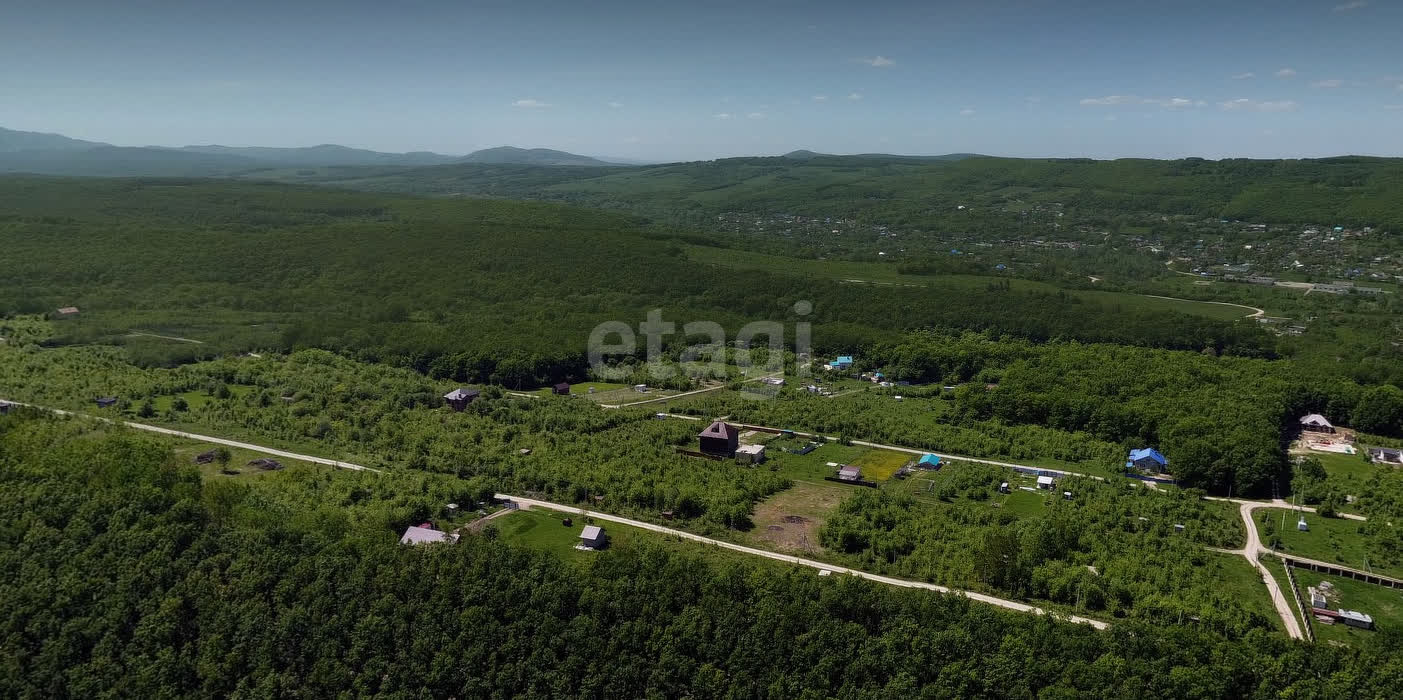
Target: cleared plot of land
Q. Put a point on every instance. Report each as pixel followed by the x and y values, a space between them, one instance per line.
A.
pixel 186 450
pixel 197 399
pixel 542 529
pixel 789 521
pixel 1334 540
pixel 1385 605
pixel 880 465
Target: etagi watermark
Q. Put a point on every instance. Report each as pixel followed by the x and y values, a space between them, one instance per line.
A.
pixel 615 340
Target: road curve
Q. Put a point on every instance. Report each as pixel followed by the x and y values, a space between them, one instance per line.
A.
pixel 206 438
pixel 979 597
pixel 1253 551
pixel 1256 312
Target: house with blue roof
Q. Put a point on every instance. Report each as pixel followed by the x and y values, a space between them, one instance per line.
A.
pixel 1147 459
pixel 843 362
pixel 928 461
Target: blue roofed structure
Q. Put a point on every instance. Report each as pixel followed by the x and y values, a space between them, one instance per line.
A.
pixel 1147 459
pixel 928 461
pixel 843 362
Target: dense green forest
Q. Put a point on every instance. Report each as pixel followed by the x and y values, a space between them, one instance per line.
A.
pixel 123 572
pixel 474 290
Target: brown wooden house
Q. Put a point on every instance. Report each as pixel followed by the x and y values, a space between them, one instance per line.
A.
pixel 459 398
pixel 1316 423
pixel 720 439
pixel 561 389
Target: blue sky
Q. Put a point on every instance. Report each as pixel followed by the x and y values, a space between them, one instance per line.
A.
pixel 668 80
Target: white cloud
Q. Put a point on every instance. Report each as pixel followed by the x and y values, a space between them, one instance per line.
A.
pixel 615 105
pixel 1286 73
pixel 1352 5
pixel 966 112
pixel 878 61
pixel 820 98
pixel 755 115
pixel 855 96
pixel 1244 76
pixel 1165 102
pixel 1111 100
pixel 723 115
pixel 1331 83
pixel 1242 104
pixel 531 104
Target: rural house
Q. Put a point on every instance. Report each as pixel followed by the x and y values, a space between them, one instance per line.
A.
pixel 593 537
pixel 1147 459
pixel 425 534
pixel 848 472
pixel 561 389
pixel 68 312
pixel 1316 423
pixel 460 398
pixel 719 438
pixel 5 407
pixel 105 401
pixel 928 461
pixel 843 362
pixel 1046 482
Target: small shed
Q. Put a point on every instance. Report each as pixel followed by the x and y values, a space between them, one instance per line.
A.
pixel 5 407
pixel 418 534
pixel 1147 459
pixel 266 463
pixel 459 398
pixel 1301 524
pixel 561 389
pixel 205 457
pixel 67 312
pixel 928 461
pixel 640 388
pixel 750 454
pixel 719 438
pixel 593 537
pixel 847 472
pixel 1003 487
pixel 1316 423
pixel 105 401
pixel 1046 482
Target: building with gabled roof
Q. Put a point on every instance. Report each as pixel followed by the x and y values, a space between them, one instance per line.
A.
pixel 460 398
pixel 593 537
pixel 1316 423
pixel 928 461
pixel 1147 459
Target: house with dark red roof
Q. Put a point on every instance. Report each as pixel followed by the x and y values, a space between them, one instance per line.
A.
pixel 719 438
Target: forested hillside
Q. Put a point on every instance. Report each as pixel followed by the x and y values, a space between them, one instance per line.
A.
pixel 903 192
pixel 121 570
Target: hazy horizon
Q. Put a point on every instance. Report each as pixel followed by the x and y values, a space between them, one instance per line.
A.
pixel 646 81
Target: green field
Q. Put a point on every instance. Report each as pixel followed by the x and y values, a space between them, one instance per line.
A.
pixel 1334 540
pixel 886 275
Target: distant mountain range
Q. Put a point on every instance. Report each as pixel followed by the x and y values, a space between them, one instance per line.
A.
pixel 54 154
pixel 810 155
